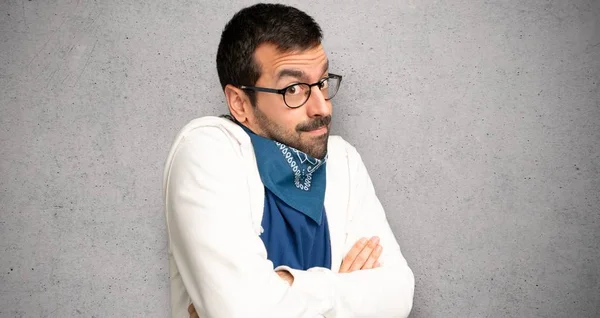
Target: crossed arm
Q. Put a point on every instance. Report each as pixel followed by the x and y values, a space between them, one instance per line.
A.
pixel 223 263
pixel 363 255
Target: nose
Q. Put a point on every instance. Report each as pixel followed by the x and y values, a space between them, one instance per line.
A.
pixel 317 106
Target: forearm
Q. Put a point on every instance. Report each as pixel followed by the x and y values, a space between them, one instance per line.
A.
pixel 382 292
pixel 219 289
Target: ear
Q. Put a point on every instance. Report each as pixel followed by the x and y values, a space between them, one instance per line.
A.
pixel 239 104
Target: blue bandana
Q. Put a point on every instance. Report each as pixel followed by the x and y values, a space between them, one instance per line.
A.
pixel 293 176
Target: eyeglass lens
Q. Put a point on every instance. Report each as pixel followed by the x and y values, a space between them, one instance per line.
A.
pixel 298 94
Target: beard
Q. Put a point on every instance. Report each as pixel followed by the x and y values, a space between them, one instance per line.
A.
pixel 314 146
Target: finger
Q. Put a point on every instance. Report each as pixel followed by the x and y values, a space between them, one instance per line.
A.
pixel 354 251
pixel 363 256
pixel 192 311
pixel 377 264
pixel 370 263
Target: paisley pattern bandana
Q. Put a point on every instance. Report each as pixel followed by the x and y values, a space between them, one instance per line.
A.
pixel 293 176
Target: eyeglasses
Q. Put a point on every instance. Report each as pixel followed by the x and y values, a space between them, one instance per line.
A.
pixel 297 94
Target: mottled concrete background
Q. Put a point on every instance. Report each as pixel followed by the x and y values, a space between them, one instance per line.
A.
pixel 478 120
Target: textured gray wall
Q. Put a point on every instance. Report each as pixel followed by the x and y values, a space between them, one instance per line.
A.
pixel 478 120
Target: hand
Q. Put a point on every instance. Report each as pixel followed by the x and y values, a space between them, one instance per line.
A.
pixel 192 311
pixel 363 255
pixel 285 275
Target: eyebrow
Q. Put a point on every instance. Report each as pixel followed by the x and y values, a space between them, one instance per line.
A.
pixel 297 73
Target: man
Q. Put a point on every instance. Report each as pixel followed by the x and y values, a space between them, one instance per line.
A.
pixel 268 215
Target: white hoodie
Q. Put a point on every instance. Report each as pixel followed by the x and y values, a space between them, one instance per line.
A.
pixel 214 205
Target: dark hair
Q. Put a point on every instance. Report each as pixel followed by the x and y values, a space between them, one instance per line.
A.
pixel 286 27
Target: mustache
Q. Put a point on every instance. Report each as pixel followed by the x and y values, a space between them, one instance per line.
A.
pixel 315 124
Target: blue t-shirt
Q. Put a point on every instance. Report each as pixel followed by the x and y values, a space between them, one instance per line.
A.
pixel 292 238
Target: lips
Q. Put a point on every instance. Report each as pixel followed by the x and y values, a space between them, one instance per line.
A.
pixel 322 129
pixel 321 122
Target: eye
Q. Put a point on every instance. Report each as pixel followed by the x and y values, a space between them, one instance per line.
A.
pixel 324 83
pixel 293 90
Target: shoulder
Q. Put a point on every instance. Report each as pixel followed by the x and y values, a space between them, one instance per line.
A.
pixel 339 148
pixel 208 141
pixel 213 127
pixel 209 132
pixel 344 157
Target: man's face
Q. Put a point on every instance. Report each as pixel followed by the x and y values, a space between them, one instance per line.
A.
pixel 305 128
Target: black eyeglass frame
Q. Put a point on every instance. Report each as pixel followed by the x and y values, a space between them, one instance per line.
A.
pixel 283 90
